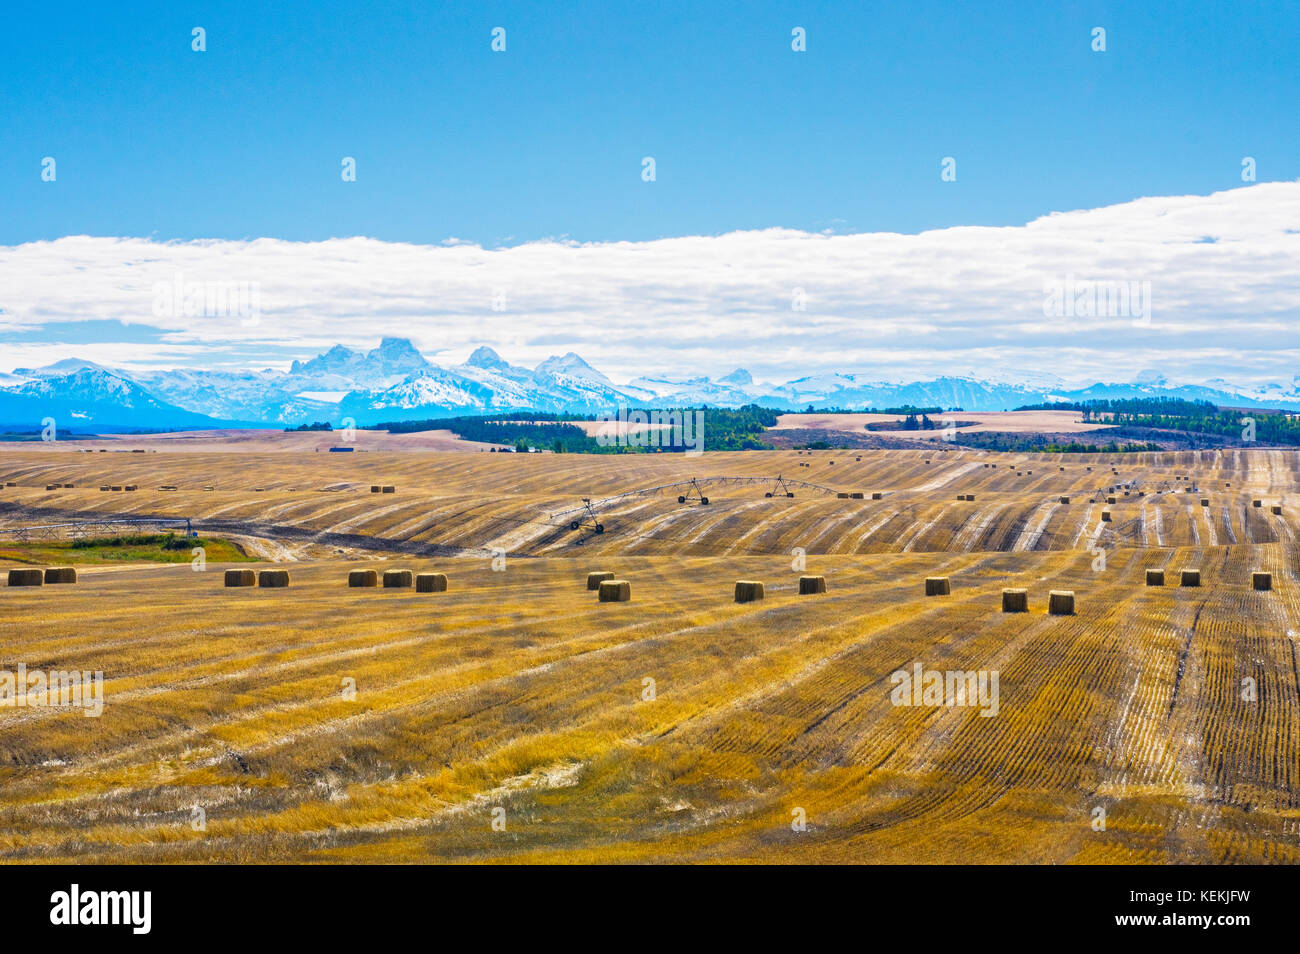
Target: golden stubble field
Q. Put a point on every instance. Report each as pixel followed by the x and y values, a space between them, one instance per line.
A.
pixel 515 718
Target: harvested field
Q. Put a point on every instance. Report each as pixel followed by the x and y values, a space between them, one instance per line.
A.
pixel 335 723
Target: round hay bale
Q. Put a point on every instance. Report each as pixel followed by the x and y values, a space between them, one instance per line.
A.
pixel 388 489
pixel 1261 580
pixel 241 578
pixel 747 591
pixel 595 579
pixel 1105 516
pixel 431 583
pixel 116 487
pixel 1155 577
pixel 1277 510
pixel 961 496
pixel 1064 500
pixel 131 487
pixel 26 578
pixel 273 579
pixel 363 578
pixel 397 579
pixel 809 585
pixel 105 487
pixel 1060 603
pixel 1111 499
pixel 970 498
pixel 937 586
pixel 877 495
pixel 52 486
pixel 1189 577
pixel 842 496
pixel 1257 503
pixel 1015 601
pixel 61 574
pixel 856 494
pixel 1205 501
pixel 374 488
pixel 614 591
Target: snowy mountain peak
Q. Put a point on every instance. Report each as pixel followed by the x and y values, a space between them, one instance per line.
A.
pixel 484 357
pixel 572 366
pixel 739 378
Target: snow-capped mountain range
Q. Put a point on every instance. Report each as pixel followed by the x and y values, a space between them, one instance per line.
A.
pixel 395 382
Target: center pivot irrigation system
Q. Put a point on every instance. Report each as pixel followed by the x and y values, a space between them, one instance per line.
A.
pixel 587 516
pixel 94 528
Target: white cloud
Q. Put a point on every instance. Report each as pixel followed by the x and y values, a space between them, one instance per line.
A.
pixel 956 300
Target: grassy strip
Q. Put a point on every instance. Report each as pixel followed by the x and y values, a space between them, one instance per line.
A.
pixel 137 548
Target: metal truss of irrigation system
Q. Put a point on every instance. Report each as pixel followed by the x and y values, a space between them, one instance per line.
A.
pixel 90 528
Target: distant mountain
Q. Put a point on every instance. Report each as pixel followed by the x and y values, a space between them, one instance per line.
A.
pixel 394 382
pixel 92 397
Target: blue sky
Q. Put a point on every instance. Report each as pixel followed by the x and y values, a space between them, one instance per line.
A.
pixel 546 139
pixel 781 176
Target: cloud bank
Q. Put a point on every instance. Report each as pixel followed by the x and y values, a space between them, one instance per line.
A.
pixel 1223 273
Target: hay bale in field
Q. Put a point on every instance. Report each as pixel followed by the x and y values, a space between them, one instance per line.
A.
pixel 51 486
pixel 363 578
pixel 26 578
pixel 167 487
pixel 1205 501
pixel 809 585
pixel 747 591
pixel 130 487
pixel 106 487
pixel 241 578
pixel 1277 510
pixel 116 487
pixel 431 583
pixel 595 579
pixel 1060 603
pixel 1105 516
pixel 388 489
pixel 1062 470
pixel 273 579
pixel 61 574
pixel 374 488
pixel 1064 499
pixel 1189 577
pixel 877 495
pixel 961 496
pixel 1015 601
pixel 1155 577
pixel 856 494
pixel 614 591
pixel 1257 503
pixel 937 586
pixel 397 579
pixel 1261 580
pixel 1110 499
pixel 842 496
pixel 209 488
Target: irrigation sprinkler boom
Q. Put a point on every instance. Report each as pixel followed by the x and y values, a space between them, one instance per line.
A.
pixel 93 528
